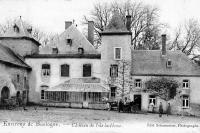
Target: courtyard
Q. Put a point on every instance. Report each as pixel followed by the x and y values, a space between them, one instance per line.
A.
pixel 52 119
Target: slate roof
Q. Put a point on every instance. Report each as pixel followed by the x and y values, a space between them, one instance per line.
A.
pixel 116 26
pixel 22 30
pixel 69 55
pixel 9 57
pixel 78 41
pixel 81 85
pixel 116 23
pixel 152 63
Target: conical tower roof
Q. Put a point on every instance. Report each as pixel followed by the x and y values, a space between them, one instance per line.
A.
pixel 116 24
pixel 19 29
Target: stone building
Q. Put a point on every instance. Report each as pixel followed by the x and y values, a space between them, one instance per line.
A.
pixel 148 64
pixel 127 70
pixel 14 72
pixel 70 72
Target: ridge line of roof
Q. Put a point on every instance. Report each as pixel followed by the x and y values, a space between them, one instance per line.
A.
pixel 22 37
pixel 16 56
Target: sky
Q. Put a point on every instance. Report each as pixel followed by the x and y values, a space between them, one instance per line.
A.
pixel 50 15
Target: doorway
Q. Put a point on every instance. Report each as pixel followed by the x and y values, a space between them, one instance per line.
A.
pixel 138 101
pixel 5 93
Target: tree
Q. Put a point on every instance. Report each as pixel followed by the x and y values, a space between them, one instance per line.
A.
pixel 165 88
pixel 144 21
pixel 187 39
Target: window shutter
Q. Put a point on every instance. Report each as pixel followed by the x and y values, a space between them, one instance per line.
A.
pixel 134 83
pixel 182 83
pixel 117 70
pixel 188 83
pixel 110 71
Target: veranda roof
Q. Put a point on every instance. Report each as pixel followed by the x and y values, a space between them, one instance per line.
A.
pixel 81 85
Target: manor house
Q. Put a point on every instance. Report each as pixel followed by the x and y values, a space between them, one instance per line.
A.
pixel 70 72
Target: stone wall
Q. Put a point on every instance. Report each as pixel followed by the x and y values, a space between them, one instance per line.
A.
pixel 75 105
pixel 10 74
pixel 109 42
pixel 176 102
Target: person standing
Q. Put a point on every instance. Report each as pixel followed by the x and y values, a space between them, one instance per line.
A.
pixel 120 105
pixel 160 109
pixel 168 109
pixel 151 107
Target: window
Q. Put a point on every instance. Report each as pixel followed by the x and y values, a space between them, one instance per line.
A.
pixel 152 98
pixel 185 102
pixel 24 94
pixel 17 78
pixel 86 70
pixel 113 92
pixel 138 83
pixel 54 50
pixel 186 84
pixel 25 82
pixel 64 70
pixel 16 28
pixel 169 63
pixel 45 70
pixel 80 50
pixel 114 71
pixel 69 41
pixel 117 53
pixel 42 94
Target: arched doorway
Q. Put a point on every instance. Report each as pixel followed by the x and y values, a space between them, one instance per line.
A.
pixel 5 93
pixel 18 94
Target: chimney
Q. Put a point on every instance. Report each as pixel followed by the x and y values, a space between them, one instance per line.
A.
pixel 128 22
pixel 67 24
pixel 163 44
pixel 91 32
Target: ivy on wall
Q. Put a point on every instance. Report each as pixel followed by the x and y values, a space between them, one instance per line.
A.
pixel 165 88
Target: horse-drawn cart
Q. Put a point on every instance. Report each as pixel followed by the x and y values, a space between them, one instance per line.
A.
pixel 129 107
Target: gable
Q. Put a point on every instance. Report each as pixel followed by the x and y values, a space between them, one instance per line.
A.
pixel 78 41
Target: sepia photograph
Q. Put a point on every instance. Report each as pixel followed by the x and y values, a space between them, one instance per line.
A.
pixel 99 66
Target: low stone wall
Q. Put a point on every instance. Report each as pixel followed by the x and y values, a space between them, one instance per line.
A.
pixel 75 105
pixel 97 106
pixel 55 104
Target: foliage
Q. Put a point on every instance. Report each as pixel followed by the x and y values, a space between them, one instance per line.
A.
pixel 144 19
pixel 187 39
pixel 165 88
pixel 123 80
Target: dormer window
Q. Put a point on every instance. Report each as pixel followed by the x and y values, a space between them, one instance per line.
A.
pixel 55 50
pixel 29 30
pixel 16 28
pixel 169 63
pixel 69 41
pixel 80 50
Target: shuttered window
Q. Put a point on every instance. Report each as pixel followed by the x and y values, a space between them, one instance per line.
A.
pixel 114 71
pixel 87 70
pixel 64 70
